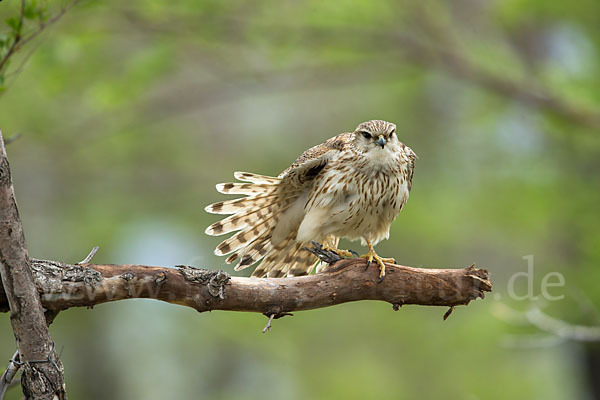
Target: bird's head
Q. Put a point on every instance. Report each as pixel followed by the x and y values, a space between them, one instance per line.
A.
pixel 376 136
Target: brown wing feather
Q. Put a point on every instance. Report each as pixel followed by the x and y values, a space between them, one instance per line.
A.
pixel 300 176
pixel 410 168
pixel 312 161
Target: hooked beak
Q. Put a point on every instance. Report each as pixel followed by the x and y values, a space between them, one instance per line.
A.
pixel 381 141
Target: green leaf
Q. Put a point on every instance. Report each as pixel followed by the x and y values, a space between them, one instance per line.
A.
pixel 31 11
pixel 34 10
pixel 14 23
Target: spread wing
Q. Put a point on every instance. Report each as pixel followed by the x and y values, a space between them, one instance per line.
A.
pixel 268 219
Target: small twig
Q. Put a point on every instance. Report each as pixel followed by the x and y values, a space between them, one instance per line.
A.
pixel 13 47
pixel 268 326
pixel 562 329
pixel 21 40
pixel 49 22
pixel 16 71
pixel 272 316
pixel 89 256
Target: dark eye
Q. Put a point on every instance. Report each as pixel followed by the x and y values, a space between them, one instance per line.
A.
pixel 366 135
pixel 393 131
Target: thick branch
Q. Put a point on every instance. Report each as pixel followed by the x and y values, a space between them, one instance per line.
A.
pixel 42 372
pixel 63 286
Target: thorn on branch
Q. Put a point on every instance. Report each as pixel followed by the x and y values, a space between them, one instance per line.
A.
pixel 447 314
pixel 89 257
pixel 274 315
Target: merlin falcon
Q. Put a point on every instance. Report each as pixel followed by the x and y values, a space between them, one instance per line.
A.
pixel 351 186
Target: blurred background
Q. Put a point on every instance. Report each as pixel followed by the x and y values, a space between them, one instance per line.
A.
pixel 130 112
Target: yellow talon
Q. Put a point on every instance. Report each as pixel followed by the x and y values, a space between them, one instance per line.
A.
pixel 372 255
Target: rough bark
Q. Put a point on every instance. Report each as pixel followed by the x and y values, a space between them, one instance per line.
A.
pixel 42 370
pixel 62 286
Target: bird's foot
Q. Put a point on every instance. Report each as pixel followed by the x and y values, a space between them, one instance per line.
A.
pixel 371 255
pixel 328 254
pixel 340 252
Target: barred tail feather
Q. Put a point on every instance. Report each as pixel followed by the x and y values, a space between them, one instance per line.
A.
pixel 245 236
pixel 245 188
pixel 292 261
pixel 255 217
pixel 240 220
pixel 269 265
pixel 288 258
pixel 251 254
pixel 255 178
pixel 237 205
pixel 297 262
pixel 304 264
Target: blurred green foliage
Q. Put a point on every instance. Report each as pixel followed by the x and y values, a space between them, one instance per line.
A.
pixel 130 112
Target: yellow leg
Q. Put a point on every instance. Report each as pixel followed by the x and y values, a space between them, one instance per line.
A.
pixel 372 255
pixel 331 244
